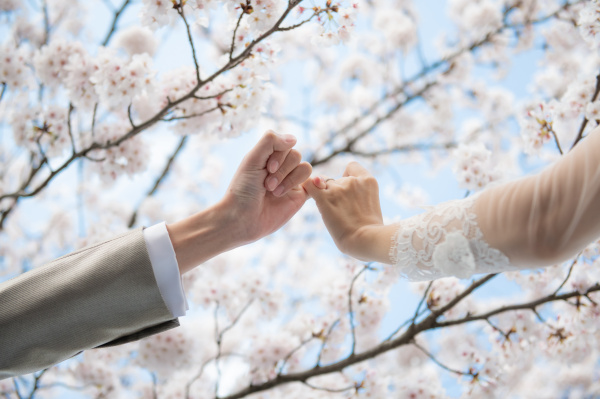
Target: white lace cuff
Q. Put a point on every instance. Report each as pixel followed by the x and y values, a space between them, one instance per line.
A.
pixel 444 241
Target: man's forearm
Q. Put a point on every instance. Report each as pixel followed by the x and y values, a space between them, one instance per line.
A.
pixel 203 236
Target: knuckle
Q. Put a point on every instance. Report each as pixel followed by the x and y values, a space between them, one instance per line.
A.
pixel 295 156
pixel 270 135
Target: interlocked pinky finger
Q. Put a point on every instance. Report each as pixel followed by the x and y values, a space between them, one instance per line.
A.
pixel 293 179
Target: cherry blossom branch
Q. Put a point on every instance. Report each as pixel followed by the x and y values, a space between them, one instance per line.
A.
pixel 533 305
pixel 350 143
pixel 237 26
pixel 189 34
pixel 208 111
pixel 213 96
pixel 585 120
pixel 402 149
pixel 113 25
pixel 46 21
pixel 350 311
pixel 17 391
pixel 332 390
pixel 70 129
pixel 2 92
pixel 422 301
pixel 429 323
pixel 445 61
pixel 36 382
pixel 433 358
pixel 316 13
pixel 568 274
pixel 325 339
pixel 160 179
pixel 557 142
pixel 21 193
pixel 292 352
pixel 201 371
pixel 130 117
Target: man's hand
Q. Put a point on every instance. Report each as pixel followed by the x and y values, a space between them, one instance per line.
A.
pixel 351 212
pixel 263 195
pixel 266 190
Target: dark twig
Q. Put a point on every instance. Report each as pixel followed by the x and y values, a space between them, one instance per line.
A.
pixel 429 355
pixel 213 96
pixel 16 384
pixel 237 25
pixel 130 117
pixel 36 383
pixel 176 118
pixel 46 21
pixel 568 274
pixel 292 352
pixel 2 92
pixel 160 178
pixel 585 120
pixel 70 129
pixel 332 390
pixel 423 298
pixel 350 311
pixel 189 34
pixel 113 26
pixel 93 128
pixel 556 141
pixel 286 28
pixel 325 339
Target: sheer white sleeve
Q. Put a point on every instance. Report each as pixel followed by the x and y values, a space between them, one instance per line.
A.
pixel 535 221
pixel 444 241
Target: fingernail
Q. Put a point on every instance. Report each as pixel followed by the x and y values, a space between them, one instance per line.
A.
pixel 289 138
pixel 273 165
pixel 272 183
pixel 319 182
pixel 278 191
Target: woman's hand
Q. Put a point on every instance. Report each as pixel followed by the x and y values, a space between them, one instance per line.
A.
pixel 351 212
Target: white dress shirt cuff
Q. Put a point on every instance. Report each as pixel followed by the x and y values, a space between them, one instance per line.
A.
pixel 166 269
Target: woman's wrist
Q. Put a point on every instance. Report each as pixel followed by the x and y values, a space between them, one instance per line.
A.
pixel 203 236
pixel 373 243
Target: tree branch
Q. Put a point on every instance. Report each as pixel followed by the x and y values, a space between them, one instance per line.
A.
pixel 350 312
pixel 189 34
pixel 585 120
pixel 445 61
pixel 237 25
pixel 429 355
pixel 160 179
pixel 113 26
pixel 21 193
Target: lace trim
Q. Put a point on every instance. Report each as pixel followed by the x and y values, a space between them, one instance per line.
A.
pixel 444 241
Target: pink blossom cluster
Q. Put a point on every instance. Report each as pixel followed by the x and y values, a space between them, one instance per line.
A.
pixel 36 128
pixel 166 353
pixel 474 169
pixel 128 158
pixel 117 82
pixel 51 60
pixel 14 71
pixel 589 23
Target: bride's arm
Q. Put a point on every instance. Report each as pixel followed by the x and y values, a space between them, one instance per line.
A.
pixel 535 221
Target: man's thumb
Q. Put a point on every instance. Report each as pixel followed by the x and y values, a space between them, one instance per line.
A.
pixel 314 186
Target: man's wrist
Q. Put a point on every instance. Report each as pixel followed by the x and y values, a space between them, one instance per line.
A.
pixel 204 235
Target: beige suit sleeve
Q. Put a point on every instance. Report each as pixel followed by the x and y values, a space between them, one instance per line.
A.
pixel 535 221
pixel 102 295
